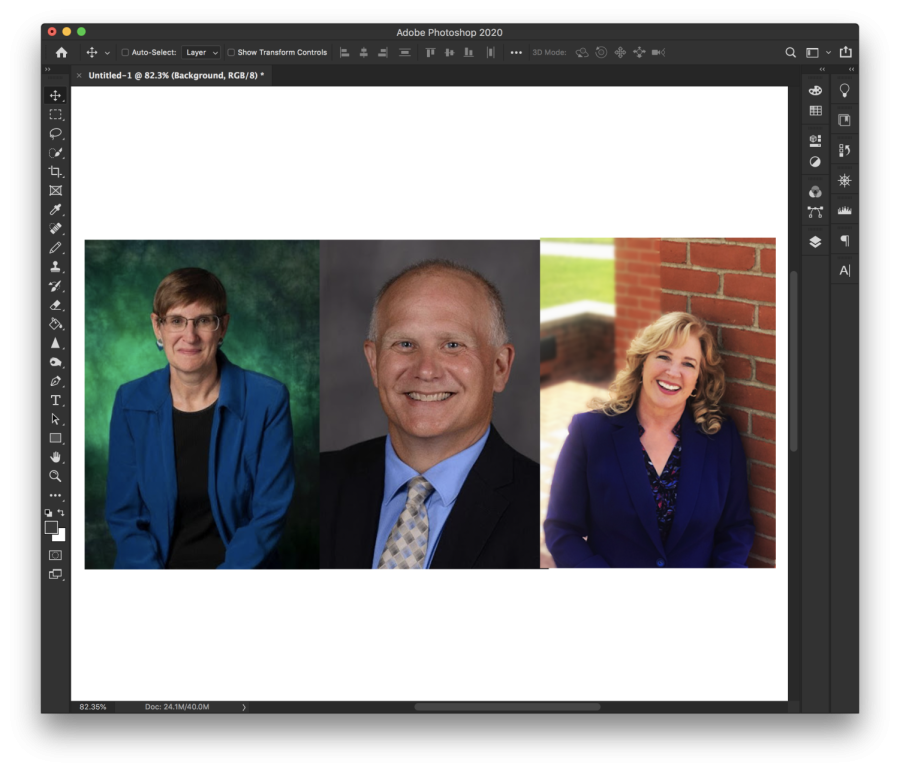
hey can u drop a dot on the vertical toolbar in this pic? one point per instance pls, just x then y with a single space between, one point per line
55 249
844 177
828 208
830 192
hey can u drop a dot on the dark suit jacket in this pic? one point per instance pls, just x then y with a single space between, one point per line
493 524
600 491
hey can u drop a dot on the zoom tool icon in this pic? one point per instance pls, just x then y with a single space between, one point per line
600 52
815 192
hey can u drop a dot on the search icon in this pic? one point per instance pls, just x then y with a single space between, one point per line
54 475
789 51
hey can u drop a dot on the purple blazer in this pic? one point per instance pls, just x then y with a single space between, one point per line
602 513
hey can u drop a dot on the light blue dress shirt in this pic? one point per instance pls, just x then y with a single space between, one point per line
447 478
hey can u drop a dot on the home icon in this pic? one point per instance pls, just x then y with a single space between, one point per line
61 53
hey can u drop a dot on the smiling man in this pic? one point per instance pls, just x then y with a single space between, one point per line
442 490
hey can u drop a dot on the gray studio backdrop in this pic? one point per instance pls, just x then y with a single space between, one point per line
352 272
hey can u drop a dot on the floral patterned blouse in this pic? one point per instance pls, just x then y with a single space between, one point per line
665 485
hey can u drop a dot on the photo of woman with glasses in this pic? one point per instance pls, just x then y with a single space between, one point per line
201 470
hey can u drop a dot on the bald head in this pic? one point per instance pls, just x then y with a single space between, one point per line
498 333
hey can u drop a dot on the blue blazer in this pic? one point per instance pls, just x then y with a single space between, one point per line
251 468
601 491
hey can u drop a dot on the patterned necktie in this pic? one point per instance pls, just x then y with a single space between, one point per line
408 541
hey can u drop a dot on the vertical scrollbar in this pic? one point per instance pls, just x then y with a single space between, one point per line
793 361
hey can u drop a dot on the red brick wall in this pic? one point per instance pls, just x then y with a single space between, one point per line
730 283
638 294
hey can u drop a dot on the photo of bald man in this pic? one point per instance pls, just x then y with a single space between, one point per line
442 347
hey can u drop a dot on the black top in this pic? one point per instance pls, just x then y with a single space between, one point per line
196 542
665 485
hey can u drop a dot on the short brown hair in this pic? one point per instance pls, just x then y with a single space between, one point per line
190 285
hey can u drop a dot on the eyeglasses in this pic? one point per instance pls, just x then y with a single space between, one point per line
180 323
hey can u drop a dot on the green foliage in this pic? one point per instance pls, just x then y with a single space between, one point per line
582 241
273 300
567 279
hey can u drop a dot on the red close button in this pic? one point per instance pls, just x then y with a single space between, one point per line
51 31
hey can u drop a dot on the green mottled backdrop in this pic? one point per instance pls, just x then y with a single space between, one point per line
273 299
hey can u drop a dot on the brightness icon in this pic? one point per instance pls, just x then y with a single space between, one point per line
844 180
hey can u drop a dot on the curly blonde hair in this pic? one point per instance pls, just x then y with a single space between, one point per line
668 329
